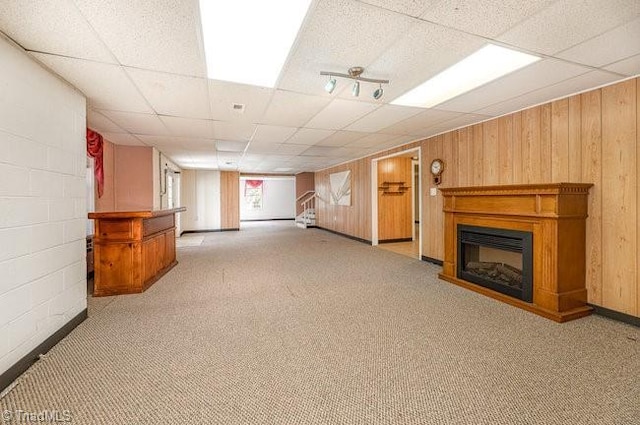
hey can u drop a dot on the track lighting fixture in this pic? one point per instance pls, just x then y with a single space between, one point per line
331 85
377 93
354 73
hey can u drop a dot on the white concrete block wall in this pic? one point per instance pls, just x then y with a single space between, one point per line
42 204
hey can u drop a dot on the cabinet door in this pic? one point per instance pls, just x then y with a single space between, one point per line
170 247
115 271
160 251
150 261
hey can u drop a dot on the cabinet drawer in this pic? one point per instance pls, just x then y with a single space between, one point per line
115 229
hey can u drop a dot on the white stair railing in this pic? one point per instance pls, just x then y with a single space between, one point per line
308 216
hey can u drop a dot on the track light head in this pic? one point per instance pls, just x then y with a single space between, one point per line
355 90
331 85
377 93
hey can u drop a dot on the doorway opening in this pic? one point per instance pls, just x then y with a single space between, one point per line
396 203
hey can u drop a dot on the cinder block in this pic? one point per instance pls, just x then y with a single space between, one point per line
27 153
23 212
61 209
80 208
46 236
45 184
21 330
74 186
75 273
8 271
4 340
14 304
14 242
46 288
75 230
5 152
60 161
14 181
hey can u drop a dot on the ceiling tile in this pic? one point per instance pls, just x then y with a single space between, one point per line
122 139
111 90
341 138
371 140
329 41
562 89
289 149
272 134
173 142
171 94
340 113
138 123
406 7
383 117
98 122
226 146
630 66
262 148
425 50
309 136
55 27
487 18
540 74
293 109
187 127
607 48
417 123
223 95
233 131
148 34
462 121
569 22
324 151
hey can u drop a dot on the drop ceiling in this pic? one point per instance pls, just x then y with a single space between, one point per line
141 65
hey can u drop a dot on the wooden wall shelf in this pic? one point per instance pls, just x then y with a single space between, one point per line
554 213
132 249
393 188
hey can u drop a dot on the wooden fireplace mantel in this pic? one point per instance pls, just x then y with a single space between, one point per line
554 213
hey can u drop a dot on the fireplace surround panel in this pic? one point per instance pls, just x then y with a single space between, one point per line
553 214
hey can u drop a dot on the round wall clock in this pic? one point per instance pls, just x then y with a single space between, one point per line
437 167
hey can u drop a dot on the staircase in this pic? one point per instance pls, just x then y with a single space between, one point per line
307 218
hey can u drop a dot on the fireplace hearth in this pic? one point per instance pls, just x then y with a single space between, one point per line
498 259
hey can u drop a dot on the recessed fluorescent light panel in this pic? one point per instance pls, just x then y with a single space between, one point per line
487 64
248 41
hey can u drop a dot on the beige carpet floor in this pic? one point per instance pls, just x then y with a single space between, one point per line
280 325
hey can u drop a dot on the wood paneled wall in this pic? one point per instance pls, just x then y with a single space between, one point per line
354 220
395 218
229 200
592 137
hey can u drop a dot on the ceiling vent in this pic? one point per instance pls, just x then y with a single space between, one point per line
237 108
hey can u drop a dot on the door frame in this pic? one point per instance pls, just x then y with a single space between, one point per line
374 193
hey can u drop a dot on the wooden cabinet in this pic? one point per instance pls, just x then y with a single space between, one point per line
132 250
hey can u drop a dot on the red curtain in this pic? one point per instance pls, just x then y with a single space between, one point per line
94 150
253 183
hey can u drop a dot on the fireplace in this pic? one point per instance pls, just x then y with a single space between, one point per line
521 244
498 259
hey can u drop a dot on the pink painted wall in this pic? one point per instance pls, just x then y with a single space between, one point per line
128 178
133 178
